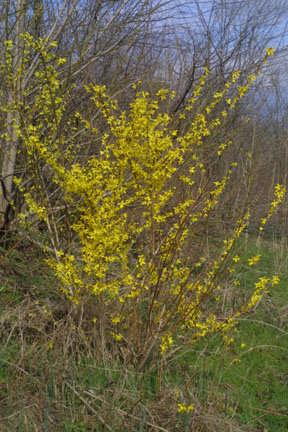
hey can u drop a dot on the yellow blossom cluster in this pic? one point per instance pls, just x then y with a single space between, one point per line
279 196
183 408
134 205
166 343
254 260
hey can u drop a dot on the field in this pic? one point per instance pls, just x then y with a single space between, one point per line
52 380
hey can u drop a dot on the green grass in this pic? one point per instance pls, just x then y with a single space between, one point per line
249 380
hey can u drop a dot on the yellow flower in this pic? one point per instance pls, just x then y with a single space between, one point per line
166 343
236 258
116 319
62 61
9 43
182 408
270 51
117 336
275 280
53 44
50 345
235 76
254 260
162 94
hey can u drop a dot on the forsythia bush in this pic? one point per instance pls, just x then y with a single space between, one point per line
134 206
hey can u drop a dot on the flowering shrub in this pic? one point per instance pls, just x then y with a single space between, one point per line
134 206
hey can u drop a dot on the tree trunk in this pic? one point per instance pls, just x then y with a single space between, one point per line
9 148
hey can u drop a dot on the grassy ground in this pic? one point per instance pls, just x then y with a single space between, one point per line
50 380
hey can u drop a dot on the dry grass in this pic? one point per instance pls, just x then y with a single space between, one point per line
52 381
54 377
